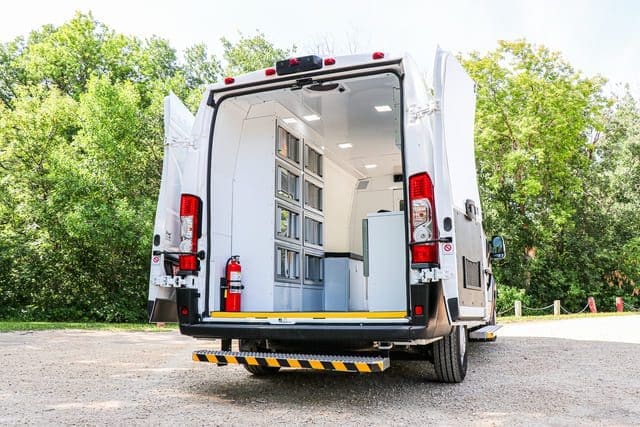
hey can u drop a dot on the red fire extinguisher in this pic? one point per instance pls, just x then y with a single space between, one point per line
233 274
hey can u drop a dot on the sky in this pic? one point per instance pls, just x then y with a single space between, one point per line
596 37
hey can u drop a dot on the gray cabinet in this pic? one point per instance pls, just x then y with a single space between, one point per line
344 284
386 256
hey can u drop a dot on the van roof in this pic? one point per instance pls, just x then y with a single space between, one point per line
337 63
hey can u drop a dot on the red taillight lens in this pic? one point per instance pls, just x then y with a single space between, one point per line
418 310
188 262
329 61
377 55
421 215
184 310
269 71
424 254
229 80
190 215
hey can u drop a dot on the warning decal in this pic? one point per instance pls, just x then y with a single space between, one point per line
447 248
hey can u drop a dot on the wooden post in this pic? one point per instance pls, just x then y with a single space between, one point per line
592 305
517 306
619 304
556 307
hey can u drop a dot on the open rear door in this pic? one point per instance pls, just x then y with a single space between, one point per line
457 197
178 122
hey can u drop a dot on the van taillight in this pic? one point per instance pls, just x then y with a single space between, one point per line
422 219
190 230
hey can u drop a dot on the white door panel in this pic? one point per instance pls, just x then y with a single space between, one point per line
178 122
454 162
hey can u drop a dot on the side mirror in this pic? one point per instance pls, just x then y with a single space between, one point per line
497 248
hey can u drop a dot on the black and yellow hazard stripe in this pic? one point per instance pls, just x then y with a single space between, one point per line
327 363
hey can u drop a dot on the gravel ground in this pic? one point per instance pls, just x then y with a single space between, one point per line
552 372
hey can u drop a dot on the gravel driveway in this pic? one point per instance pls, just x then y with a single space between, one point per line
552 372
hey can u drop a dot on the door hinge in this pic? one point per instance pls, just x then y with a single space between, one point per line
417 112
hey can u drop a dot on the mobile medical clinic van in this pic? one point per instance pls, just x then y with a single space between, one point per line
325 214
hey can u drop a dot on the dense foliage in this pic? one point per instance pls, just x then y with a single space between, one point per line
80 159
558 172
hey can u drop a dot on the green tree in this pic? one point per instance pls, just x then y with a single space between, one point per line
533 121
608 224
80 160
251 53
200 67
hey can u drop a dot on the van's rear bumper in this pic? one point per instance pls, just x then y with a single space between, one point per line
192 324
306 332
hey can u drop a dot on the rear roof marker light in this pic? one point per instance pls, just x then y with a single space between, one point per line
377 55
229 80
294 61
329 61
270 72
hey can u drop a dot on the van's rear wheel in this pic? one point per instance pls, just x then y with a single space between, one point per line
450 356
258 347
261 371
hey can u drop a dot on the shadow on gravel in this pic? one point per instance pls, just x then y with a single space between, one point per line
326 388
534 379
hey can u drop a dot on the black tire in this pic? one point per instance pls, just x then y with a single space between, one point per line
450 356
261 371
259 347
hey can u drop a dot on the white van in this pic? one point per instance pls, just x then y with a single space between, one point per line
325 213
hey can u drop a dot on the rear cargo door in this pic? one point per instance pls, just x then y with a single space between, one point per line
457 197
178 122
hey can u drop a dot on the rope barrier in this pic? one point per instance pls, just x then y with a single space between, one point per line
632 308
537 309
506 311
577 312
562 309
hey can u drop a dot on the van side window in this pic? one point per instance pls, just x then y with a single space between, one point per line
312 160
312 231
299 219
313 196
288 146
287 264
287 222
313 269
288 184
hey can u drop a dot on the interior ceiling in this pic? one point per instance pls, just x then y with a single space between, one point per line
347 115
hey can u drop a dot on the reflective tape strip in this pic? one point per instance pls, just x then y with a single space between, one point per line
316 364
328 363
362 367
339 366
272 362
293 363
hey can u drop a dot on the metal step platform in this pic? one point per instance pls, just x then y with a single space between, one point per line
284 360
486 333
